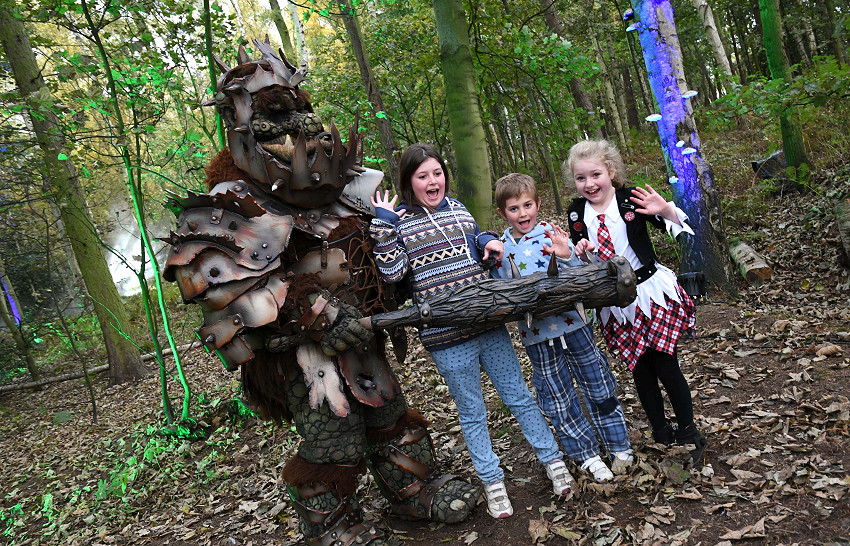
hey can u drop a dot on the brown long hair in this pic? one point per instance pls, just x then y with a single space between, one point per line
414 156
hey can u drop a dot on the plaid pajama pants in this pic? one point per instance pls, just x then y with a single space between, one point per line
555 370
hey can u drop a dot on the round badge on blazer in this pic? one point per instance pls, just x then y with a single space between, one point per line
629 216
573 216
578 226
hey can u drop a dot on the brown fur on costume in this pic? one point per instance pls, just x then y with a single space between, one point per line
341 479
411 419
264 382
223 169
277 97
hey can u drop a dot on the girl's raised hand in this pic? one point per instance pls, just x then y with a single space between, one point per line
386 203
651 202
494 249
560 242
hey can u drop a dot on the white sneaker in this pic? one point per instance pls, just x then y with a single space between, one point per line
498 503
601 473
562 480
623 461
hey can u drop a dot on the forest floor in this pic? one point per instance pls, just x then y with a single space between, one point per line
769 370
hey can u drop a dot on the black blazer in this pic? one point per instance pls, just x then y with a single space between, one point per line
635 225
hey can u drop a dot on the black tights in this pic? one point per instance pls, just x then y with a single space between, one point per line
651 367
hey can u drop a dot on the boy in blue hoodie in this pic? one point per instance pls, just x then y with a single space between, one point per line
561 347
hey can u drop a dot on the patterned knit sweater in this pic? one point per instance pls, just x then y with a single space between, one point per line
436 250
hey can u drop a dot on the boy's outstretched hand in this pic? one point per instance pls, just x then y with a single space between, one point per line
653 203
583 250
386 203
560 242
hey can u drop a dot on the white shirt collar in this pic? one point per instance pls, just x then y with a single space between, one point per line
612 213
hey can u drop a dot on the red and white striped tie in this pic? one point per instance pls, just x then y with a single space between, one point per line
606 245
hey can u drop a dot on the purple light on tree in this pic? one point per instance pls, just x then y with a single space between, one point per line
12 305
692 181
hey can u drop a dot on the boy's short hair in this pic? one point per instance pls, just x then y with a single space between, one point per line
514 185
601 151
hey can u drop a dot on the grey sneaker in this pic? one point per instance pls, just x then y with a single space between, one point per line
498 503
562 480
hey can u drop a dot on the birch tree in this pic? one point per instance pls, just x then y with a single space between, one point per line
692 180
717 49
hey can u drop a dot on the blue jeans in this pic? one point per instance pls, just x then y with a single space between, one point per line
555 369
461 366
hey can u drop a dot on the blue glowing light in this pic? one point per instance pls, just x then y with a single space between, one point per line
653 117
690 94
680 143
628 14
674 180
689 151
633 26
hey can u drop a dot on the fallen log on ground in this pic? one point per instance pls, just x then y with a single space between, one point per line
77 375
750 263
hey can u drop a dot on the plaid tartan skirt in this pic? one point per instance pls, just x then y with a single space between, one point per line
660 330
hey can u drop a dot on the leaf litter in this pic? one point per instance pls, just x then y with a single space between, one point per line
768 371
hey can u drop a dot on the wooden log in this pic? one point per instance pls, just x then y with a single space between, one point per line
842 218
96 369
750 264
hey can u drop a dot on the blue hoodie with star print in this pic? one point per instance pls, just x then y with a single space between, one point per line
529 257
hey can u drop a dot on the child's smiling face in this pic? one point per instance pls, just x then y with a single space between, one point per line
521 213
429 183
593 181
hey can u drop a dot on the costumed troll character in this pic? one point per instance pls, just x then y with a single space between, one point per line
278 256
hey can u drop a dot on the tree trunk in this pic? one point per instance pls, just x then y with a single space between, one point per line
693 184
717 49
613 112
792 136
373 92
834 33
470 147
614 74
283 31
300 41
123 357
580 96
15 327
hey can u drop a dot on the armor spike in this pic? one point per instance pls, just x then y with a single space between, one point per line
581 312
528 318
515 274
221 64
242 56
552 270
277 184
193 226
276 64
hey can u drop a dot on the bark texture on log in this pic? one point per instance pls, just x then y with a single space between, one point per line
750 264
499 301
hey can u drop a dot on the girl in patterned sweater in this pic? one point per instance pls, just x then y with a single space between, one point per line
612 219
433 242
